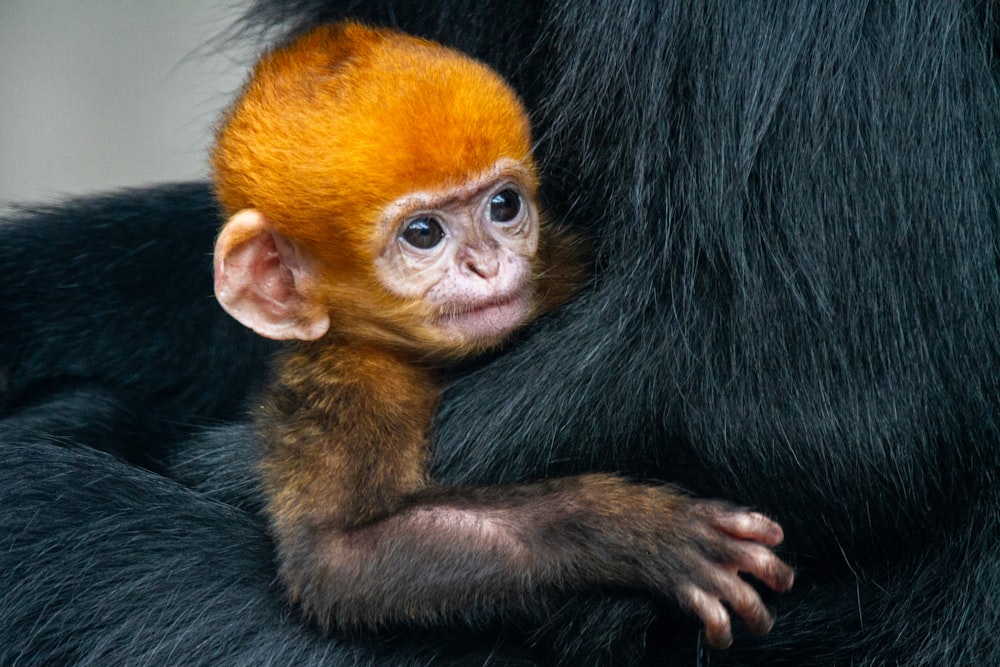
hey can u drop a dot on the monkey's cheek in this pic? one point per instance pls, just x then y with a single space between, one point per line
487 325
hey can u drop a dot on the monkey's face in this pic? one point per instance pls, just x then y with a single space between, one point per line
443 273
462 257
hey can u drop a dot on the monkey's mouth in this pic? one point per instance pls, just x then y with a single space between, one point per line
485 320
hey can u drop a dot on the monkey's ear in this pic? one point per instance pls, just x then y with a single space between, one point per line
263 280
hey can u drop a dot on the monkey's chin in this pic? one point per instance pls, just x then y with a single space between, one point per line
485 325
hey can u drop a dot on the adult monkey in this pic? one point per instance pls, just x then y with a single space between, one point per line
796 218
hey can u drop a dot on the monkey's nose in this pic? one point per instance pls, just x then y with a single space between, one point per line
484 267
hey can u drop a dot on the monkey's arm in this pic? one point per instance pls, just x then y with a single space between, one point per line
478 553
365 541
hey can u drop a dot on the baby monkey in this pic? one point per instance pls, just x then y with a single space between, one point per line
381 194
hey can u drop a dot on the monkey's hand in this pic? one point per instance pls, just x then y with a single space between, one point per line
701 569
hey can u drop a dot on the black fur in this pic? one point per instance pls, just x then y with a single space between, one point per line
797 307
114 294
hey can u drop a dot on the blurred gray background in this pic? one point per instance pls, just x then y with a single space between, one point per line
97 94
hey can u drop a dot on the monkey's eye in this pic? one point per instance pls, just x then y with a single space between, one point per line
423 233
505 205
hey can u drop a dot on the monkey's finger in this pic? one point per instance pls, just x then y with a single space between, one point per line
749 526
764 565
746 603
718 628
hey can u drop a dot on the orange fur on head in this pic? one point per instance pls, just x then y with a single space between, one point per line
346 119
